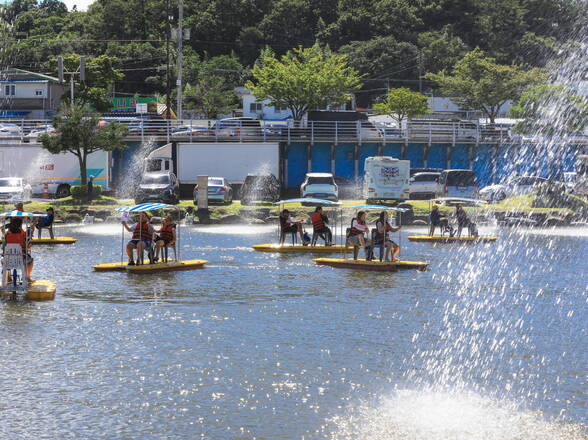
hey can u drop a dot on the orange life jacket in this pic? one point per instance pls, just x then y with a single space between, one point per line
318 224
141 232
355 231
16 238
166 233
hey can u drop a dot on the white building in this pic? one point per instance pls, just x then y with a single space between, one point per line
264 110
29 95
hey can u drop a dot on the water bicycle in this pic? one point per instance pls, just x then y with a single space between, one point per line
166 265
312 246
454 236
370 263
46 240
14 281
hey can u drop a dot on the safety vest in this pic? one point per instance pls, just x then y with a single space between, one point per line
355 231
387 228
16 238
318 224
284 222
142 232
166 232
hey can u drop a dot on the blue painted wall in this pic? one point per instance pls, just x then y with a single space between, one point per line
459 157
297 163
437 156
482 165
393 150
415 153
344 160
366 150
321 158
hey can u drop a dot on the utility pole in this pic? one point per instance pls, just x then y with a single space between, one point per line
180 36
420 72
61 72
167 37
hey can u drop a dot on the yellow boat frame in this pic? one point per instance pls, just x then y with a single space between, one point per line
374 265
447 239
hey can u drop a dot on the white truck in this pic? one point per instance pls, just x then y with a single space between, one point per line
53 174
233 161
386 179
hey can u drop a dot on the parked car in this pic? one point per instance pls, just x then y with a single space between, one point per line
219 190
513 187
260 188
233 127
386 179
187 130
320 186
424 186
457 183
11 188
10 130
158 187
34 134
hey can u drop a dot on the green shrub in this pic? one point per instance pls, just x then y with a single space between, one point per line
80 191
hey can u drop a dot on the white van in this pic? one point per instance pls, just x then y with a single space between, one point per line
386 179
458 183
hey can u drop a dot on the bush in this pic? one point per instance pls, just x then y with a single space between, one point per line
80 191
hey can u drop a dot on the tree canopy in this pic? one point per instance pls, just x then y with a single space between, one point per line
304 79
479 82
79 133
403 103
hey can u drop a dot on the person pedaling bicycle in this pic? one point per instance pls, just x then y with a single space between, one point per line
438 219
463 221
319 225
16 235
166 236
142 238
356 235
383 229
288 226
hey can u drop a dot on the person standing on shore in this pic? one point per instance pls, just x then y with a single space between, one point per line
90 190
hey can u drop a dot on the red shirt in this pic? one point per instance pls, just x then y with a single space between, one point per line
18 238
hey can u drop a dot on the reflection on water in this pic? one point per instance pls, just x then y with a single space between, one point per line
259 345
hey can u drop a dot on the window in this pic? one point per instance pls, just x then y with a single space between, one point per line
255 107
10 90
38 92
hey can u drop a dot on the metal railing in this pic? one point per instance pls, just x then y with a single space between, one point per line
249 130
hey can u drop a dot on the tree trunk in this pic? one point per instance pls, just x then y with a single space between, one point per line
82 159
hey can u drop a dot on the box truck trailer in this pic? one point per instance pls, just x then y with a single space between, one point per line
50 173
233 161
386 179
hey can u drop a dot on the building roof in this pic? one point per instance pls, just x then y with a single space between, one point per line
37 76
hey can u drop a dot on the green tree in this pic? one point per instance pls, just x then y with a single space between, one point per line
535 107
80 134
304 79
210 97
403 103
479 83
100 75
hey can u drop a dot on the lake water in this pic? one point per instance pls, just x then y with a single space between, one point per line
489 343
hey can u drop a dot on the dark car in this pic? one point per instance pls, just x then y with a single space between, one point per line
260 188
158 187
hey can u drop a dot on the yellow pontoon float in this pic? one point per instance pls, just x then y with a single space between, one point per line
450 238
165 266
371 264
14 283
312 247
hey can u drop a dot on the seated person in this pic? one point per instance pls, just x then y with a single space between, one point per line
142 237
383 230
319 225
46 222
438 219
462 219
15 235
166 236
356 237
289 225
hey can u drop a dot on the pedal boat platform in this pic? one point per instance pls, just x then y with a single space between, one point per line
170 266
56 240
375 265
448 239
38 290
285 248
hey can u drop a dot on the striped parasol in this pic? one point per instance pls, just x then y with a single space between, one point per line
17 213
143 207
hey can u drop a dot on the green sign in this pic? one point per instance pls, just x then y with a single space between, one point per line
130 104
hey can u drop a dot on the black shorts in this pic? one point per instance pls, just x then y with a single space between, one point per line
291 228
165 241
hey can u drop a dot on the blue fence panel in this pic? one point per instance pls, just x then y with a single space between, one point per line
321 158
505 165
482 165
297 164
459 157
415 153
393 150
344 160
366 150
437 156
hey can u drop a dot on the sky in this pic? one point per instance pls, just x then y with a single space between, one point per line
81 4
